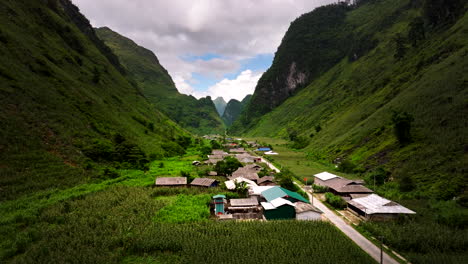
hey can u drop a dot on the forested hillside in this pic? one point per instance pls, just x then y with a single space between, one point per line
69 113
197 116
386 88
234 109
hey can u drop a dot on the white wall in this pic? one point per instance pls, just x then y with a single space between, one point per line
310 215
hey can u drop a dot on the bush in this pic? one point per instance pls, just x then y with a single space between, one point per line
402 126
336 201
227 166
319 189
346 166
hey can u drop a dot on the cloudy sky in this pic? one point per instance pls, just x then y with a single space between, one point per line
209 47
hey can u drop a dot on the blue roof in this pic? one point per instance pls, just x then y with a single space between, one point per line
219 196
280 192
264 149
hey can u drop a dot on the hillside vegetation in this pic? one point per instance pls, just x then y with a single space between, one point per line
197 116
69 114
393 100
233 110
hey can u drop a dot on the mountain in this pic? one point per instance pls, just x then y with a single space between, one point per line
142 65
380 85
220 105
234 109
68 110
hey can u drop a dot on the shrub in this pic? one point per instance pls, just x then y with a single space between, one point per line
346 166
319 189
335 201
402 126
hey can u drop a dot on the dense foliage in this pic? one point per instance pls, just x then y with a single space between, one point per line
335 200
64 98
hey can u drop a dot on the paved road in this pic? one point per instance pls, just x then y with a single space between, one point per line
349 231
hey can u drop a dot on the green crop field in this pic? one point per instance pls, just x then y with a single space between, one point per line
128 220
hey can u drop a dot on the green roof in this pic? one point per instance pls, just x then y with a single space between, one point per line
280 192
219 196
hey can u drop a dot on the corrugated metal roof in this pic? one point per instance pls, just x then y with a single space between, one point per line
219 196
202 182
280 192
374 204
244 202
171 181
276 203
325 176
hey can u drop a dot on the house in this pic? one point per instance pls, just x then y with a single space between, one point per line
346 188
374 207
171 181
212 173
266 181
305 211
245 158
248 204
204 182
253 167
218 152
322 177
246 173
237 150
231 184
280 192
217 156
341 186
279 208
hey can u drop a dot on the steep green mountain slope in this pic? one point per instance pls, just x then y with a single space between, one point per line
197 116
220 105
66 106
234 109
407 75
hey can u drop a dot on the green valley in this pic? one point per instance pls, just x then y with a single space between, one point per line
356 133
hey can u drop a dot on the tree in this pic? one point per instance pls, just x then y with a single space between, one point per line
241 187
227 166
402 126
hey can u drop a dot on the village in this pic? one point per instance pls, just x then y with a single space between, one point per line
263 197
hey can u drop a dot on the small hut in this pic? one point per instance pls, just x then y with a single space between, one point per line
219 201
171 181
204 182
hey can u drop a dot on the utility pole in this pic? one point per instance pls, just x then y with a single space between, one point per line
381 249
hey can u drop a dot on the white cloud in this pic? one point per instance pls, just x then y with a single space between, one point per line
233 89
233 29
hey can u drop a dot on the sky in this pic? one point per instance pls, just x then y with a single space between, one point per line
210 47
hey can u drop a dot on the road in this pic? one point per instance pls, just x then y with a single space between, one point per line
348 230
